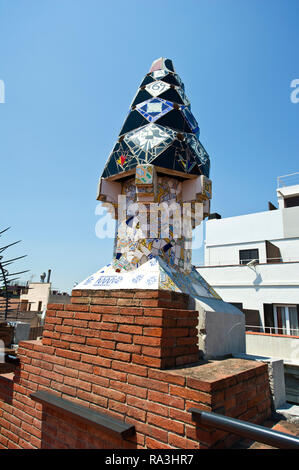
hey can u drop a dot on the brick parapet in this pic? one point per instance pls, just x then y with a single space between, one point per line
110 358
151 328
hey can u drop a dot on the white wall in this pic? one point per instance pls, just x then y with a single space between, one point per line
38 291
290 218
229 254
273 346
267 283
249 228
225 237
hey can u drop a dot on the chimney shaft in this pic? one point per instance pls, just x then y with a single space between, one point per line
49 275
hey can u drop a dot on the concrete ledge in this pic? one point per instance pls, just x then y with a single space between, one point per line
108 422
289 412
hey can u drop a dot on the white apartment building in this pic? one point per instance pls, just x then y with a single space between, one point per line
252 261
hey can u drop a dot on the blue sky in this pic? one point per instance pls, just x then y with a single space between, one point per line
71 69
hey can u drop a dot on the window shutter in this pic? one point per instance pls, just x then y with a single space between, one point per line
268 315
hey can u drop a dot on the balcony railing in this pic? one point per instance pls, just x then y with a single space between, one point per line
288 180
273 330
232 263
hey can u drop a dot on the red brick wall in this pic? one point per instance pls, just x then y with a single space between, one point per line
106 352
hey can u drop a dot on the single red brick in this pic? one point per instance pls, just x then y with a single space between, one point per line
96 360
167 376
55 307
150 302
148 430
117 406
122 294
40 380
145 404
154 312
60 344
66 371
92 378
118 355
101 343
181 442
109 392
83 366
63 329
147 340
52 320
151 384
76 323
178 415
77 383
169 400
147 294
52 333
154 444
103 301
115 336
149 331
83 348
79 300
140 392
136 413
121 319
129 303
76 293
189 394
83 332
68 354
166 423
130 348
132 329
146 360
68 390
154 352
73 338
150 321
88 316
130 368
65 314
110 373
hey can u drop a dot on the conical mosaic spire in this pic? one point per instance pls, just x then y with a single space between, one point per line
155 184
160 129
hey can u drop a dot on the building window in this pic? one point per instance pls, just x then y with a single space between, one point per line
39 306
248 255
286 320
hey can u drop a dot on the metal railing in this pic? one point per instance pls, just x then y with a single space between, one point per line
273 330
288 180
244 429
232 263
